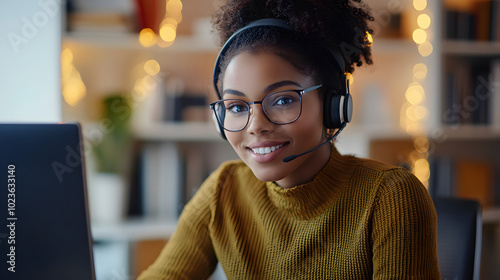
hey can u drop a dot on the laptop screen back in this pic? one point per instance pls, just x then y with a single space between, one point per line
44 223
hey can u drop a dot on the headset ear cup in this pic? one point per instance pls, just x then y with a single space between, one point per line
337 110
348 108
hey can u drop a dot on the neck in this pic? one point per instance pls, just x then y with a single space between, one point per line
307 171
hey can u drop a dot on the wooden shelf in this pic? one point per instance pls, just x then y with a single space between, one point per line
491 216
470 48
471 132
383 46
376 132
181 132
124 40
134 230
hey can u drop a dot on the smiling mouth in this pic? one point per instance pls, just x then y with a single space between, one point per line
266 150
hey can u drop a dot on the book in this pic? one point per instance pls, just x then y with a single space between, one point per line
494 102
100 22
458 88
162 185
478 101
442 180
487 15
474 180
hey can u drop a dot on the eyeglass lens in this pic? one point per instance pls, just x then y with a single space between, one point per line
280 108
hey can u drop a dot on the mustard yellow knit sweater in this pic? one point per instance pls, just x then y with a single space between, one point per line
359 219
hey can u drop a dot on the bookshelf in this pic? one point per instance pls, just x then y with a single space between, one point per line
464 128
469 95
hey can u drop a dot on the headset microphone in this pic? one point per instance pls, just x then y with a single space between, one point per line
292 157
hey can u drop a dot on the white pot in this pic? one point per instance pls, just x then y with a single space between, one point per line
106 198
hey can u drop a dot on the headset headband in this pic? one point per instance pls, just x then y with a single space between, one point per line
258 23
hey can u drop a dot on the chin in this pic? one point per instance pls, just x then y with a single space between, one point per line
267 175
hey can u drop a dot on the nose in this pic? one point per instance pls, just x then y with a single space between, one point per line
258 122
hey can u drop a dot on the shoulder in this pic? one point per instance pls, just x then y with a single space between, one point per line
228 177
230 172
210 190
387 181
382 173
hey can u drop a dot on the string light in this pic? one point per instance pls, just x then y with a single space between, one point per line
167 30
419 36
424 21
369 38
147 37
413 112
152 67
419 71
73 88
425 49
419 5
168 26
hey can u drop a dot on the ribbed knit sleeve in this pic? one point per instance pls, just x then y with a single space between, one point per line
403 229
189 253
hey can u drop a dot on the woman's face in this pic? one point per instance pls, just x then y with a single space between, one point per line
252 76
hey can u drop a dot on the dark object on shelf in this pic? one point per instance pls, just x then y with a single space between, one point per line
183 107
459 238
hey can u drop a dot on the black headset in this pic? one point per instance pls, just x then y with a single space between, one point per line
338 106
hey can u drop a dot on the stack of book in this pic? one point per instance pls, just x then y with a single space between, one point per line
481 23
472 92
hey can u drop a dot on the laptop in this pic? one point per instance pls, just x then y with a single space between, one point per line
44 217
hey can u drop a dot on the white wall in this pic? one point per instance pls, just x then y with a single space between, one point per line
30 47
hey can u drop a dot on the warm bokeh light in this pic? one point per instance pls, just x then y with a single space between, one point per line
419 36
416 113
420 71
170 20
413 113
369 38
420 112
422 170
147 37
424 21
425 49
174 7
414 96
152 67
74 91
72 86
419 5
421 145
168 32
67 56
350 78
414 128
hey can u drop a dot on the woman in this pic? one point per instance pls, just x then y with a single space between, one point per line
293 207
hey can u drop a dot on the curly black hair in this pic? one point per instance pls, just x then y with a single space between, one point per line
338 24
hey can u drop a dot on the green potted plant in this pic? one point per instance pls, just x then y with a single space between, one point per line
111 157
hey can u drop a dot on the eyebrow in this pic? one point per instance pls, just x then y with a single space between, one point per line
268 89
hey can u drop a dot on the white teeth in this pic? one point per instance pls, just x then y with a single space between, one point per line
266 150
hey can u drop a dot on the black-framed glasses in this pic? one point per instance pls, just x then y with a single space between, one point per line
282 107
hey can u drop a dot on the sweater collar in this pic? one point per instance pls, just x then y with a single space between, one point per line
313 198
